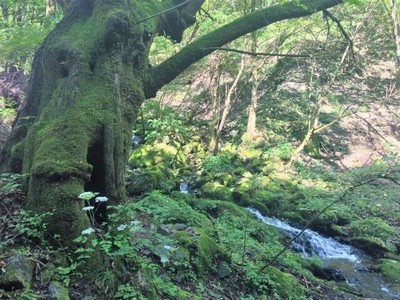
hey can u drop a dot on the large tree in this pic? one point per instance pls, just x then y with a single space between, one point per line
89 78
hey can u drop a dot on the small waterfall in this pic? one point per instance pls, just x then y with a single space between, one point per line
136 140
347 262
184 187
310 242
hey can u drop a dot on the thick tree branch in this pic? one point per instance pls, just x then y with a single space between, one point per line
172 67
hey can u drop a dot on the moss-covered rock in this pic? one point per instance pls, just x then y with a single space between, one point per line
146 180
285 284
57 291
206 250
223 269
18 273
217 191
167 210
390 269
371 246
374 233
156 154
47 273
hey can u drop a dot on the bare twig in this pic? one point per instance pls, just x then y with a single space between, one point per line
164 11
342 30
373 128
256 53
207 14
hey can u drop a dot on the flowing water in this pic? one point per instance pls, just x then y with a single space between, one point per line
352 266
184 187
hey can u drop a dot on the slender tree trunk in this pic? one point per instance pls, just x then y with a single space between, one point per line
227 105
311 129
252 119
214 99
395 29
50 7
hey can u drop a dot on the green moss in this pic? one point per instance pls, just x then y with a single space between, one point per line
66 217
239 171
390 269
206 251
252 153
374 229
217 191
18 273
155 154
150 179
166 210
285 285
183 238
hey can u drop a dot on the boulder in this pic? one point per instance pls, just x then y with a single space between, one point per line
223 269
57 291
18 273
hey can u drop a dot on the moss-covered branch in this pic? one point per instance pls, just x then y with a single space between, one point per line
172 67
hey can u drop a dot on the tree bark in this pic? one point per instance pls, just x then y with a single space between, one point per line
89 78
395 31
227 107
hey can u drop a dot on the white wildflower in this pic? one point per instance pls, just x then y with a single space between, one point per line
87 195
135 223
88 231
87 208
101 199
121 227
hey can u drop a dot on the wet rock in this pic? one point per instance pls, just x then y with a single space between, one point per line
141 182
394 287
373 248
328 273
47 273
164 230
181 256
164 252
18 273
57 291
223 269
179 227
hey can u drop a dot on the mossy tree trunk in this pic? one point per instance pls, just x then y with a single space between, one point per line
88 80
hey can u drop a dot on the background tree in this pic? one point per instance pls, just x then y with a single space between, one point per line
395 29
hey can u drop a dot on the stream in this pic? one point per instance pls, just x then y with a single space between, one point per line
346 264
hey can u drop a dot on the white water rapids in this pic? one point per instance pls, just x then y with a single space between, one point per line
310 242
350 263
